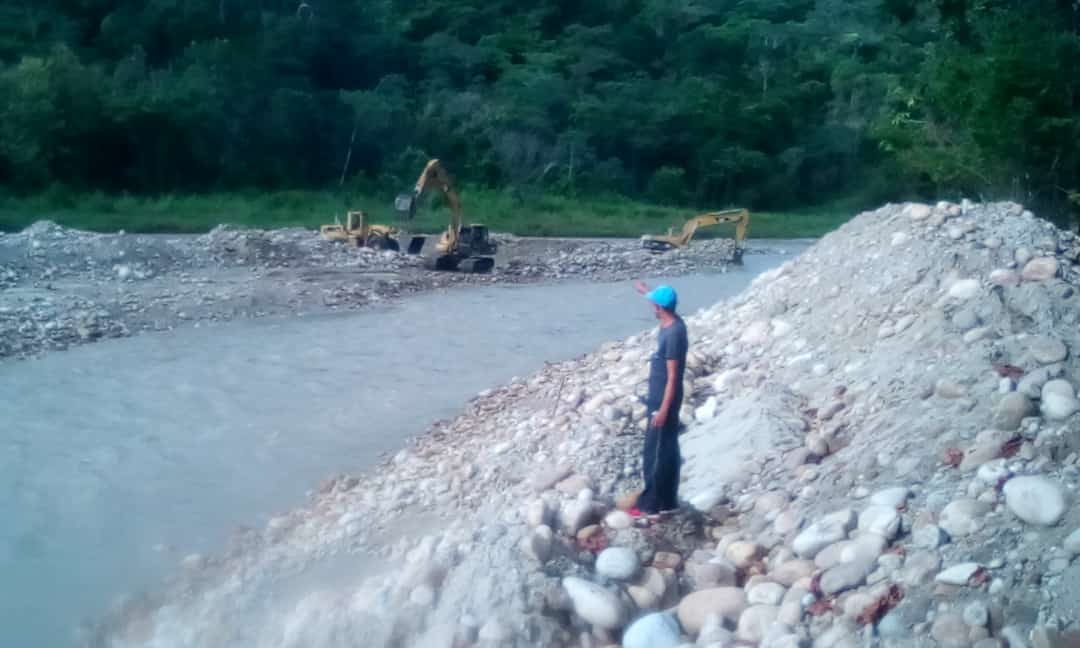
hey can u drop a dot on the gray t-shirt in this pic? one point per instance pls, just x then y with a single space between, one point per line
671 345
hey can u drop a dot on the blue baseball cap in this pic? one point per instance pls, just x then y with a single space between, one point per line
664 297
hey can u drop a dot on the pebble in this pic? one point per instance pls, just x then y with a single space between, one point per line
1011 410
1040 269
1003 277
754 622
976 614
618 563
949 389
845 576
958 575
595 604
930 536
891 497
618 520
829 529
963 517
950 631
1058 401
728 602
1072 543
1035 499
1047 350
882 520
964 289
656 630
742 554
765 594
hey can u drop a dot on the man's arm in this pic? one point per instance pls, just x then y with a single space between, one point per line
641 287
660 418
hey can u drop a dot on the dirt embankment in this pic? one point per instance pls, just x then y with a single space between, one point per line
883 448
60 287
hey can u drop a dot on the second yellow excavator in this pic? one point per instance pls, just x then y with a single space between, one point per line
671 240
467 248
359 232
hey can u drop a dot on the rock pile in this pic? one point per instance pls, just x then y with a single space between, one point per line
622 260
916 484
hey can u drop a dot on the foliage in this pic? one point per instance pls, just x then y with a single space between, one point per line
704 103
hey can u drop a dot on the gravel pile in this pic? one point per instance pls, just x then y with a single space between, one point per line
882 448
622 260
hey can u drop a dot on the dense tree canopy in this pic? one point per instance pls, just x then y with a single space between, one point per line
769 103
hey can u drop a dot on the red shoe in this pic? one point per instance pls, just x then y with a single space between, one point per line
635 512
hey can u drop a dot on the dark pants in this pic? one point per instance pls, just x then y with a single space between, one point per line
661 462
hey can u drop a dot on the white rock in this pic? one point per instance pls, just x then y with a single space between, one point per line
893 498
754 622
707 499
899 238
618 520
929 536
123 272
1058 403
976 614
619 563
707 411
1035 500
1040 269
493 631
845 576
1047 350
918 211
882 520
595 604
1072 543
958 574
963 517
829 529
964 289
765 594
991 472
656 630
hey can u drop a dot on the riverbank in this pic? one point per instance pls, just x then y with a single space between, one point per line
542 214
61 287
910 385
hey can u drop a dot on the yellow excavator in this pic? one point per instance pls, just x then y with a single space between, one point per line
671 240
359 232
466 248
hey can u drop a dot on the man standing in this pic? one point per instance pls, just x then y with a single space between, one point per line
661 459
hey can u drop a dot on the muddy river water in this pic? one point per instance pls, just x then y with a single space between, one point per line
118 458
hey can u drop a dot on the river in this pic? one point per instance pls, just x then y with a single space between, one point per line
120 457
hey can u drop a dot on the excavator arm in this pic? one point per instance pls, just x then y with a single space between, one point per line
435 175
741 218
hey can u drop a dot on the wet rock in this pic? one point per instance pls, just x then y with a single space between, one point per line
727 602
595 604
618 563
657 630
1035 500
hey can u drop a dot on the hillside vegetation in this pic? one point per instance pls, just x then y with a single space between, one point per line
771 104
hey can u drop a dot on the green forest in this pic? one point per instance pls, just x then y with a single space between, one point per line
769 104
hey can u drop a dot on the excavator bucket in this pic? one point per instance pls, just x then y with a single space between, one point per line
416 244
